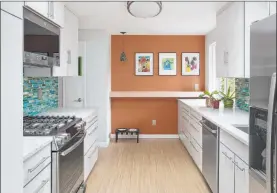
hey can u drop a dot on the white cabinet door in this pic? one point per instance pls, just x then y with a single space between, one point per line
41 7
68 47
14 8
58 13
241 176
226 170
11 102
255 186
272 7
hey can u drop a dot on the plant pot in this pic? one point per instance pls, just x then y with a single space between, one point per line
208 102
228 103
216 104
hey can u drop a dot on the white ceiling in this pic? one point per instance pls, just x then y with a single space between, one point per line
175 18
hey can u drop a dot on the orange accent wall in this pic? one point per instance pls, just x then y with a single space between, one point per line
139 112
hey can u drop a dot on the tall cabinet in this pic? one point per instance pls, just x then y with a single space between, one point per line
11 97
233 36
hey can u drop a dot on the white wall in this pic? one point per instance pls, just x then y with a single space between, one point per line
98 81
209 39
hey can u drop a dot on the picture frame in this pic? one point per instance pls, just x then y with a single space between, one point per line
144 64
167 64
191 64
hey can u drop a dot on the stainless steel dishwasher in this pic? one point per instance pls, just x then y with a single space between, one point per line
210 153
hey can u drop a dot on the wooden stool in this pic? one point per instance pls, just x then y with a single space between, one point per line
126 131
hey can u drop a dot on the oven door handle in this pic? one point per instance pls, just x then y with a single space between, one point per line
206 127
67 151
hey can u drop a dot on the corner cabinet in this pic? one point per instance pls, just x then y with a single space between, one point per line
233 37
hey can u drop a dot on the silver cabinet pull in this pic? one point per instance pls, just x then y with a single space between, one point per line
224 153
39 163
185 135
237 165
43 183
193 147
185 118
194 127
92 151
78 100
93 131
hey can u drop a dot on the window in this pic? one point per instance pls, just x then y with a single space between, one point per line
225 83
212 67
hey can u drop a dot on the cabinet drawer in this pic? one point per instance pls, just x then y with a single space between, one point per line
185 108
240 149
196 131
196 153
90 160
91 121
91 137
195 115
41 183
35 164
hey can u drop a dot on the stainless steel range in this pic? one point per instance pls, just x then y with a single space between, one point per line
67 148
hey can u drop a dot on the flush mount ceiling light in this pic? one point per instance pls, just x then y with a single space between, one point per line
144 9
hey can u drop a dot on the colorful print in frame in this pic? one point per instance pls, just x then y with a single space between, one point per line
144 64
190 64
167 64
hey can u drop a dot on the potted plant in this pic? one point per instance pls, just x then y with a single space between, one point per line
228 98
209 97
215 102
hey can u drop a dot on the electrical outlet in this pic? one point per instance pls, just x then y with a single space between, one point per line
154 122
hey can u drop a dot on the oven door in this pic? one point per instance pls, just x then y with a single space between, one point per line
68 166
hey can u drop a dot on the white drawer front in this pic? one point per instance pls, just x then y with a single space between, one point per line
196 153
240 149
185 108
92 121
35 164
90 160
41 183
196 131
195 115
91 137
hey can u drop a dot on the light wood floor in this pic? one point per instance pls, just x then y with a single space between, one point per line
152 166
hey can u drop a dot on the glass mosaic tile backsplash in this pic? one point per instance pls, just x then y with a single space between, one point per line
39 94
242 93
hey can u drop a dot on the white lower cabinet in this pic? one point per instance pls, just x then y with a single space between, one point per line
226 170
241 176
90 147
41 183
233 172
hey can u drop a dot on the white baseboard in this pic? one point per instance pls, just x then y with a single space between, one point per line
104 144
149 136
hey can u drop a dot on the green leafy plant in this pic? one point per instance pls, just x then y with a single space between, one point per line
228 98
228 95
209 94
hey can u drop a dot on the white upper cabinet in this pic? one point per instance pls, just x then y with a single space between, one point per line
41 7
68 46
230 45
14 8
54 11
272 7
233 37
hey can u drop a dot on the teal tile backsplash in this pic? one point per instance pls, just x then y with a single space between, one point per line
35 102
242 93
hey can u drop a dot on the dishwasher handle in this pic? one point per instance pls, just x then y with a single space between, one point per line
206 127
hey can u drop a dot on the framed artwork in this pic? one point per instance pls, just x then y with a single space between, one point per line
190 64
144 64
167 64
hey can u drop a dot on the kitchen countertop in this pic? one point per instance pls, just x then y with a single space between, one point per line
155 94
32 145
223 118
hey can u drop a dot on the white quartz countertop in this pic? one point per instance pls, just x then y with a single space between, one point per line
154 94
32 145
83 113
223 118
